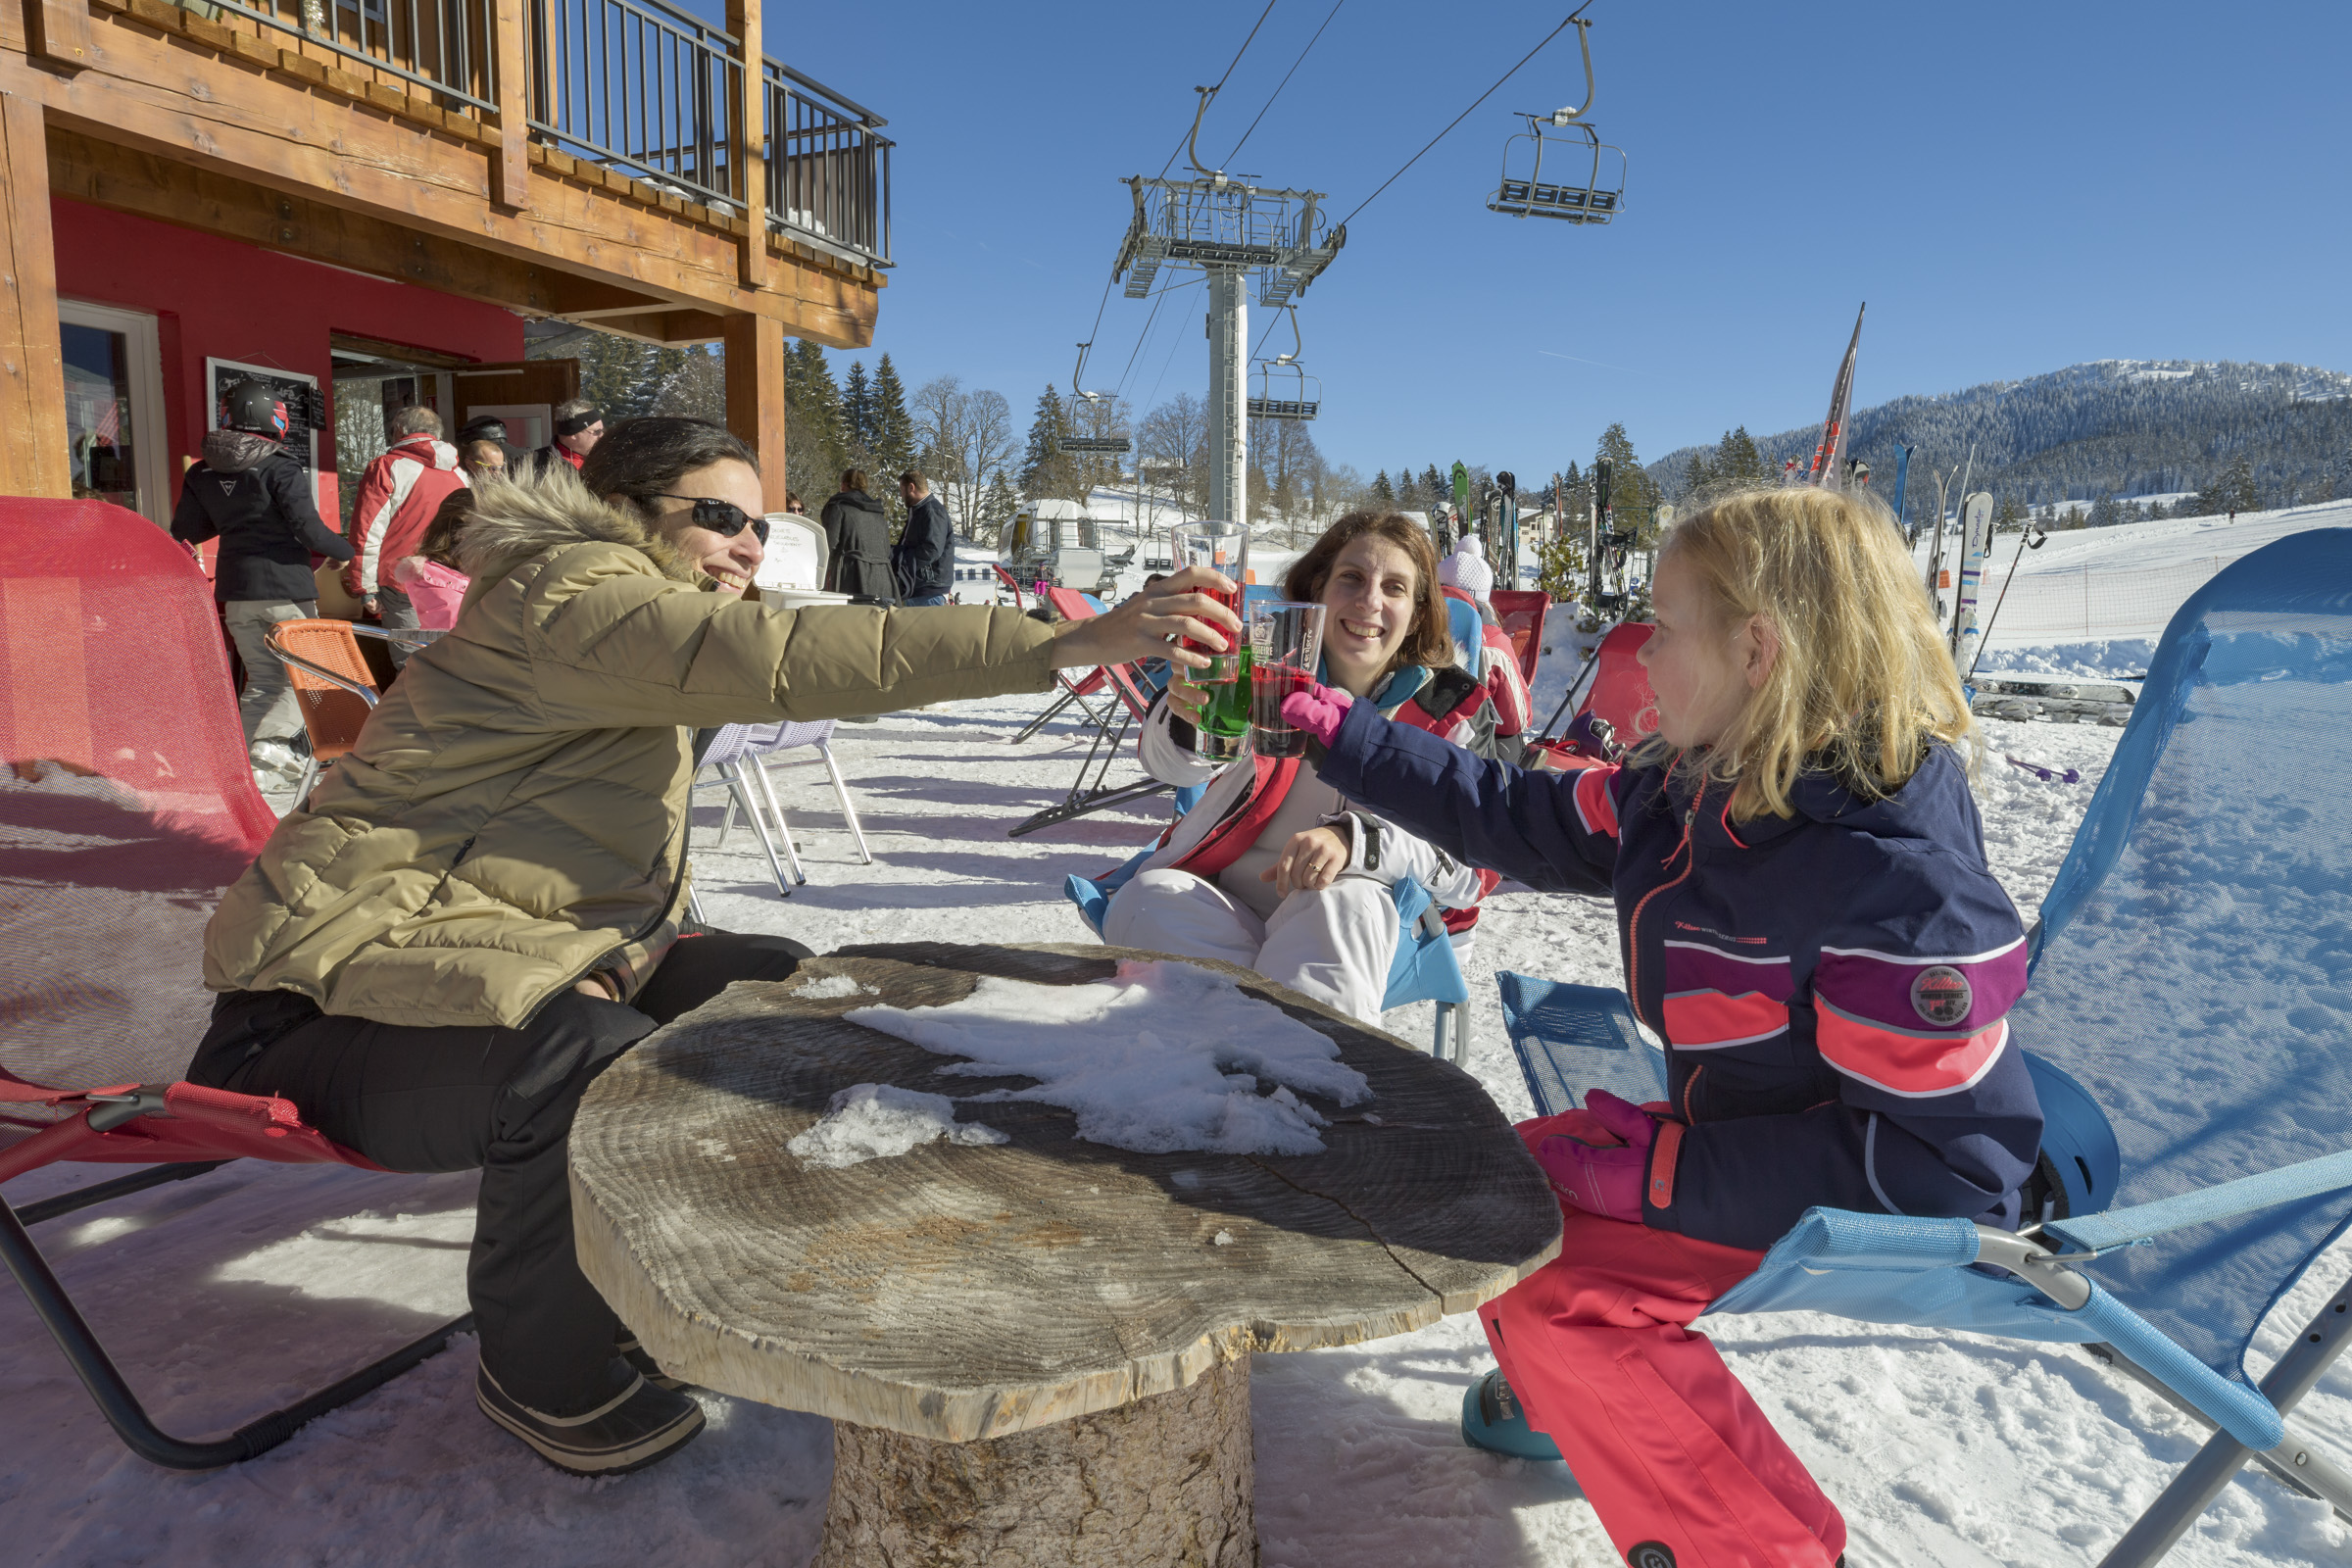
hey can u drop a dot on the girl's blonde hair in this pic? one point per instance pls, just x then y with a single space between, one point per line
1863 683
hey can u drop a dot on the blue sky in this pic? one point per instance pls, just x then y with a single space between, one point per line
2012 188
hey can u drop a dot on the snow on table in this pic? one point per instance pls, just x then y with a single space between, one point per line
227 1296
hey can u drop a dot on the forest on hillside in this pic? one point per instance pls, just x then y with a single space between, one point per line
2113 428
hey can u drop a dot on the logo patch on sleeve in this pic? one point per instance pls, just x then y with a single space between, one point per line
1940 995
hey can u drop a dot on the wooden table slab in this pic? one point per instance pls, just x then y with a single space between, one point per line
964 1296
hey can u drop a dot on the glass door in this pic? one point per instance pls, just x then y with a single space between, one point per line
115 408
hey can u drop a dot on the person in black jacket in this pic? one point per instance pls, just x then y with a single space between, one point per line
857 542
255 498
924 559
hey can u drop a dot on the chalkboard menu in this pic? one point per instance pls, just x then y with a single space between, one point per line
306 404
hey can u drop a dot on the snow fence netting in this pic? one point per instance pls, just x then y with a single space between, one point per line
2194 967
126 804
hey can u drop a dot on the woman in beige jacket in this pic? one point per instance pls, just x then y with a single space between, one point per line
479 908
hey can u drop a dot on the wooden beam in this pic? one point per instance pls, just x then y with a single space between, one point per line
673 329
751 139
151 186
34 458
754 349
510 158
56 33
167 94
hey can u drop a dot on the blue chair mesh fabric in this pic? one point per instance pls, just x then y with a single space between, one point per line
1572 1038
2193 960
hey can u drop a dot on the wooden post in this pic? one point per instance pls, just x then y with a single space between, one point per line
511 160
755 350
33 371
749 152
57 34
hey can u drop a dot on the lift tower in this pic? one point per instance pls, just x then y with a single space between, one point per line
1228 229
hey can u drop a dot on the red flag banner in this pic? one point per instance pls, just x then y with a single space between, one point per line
1829 458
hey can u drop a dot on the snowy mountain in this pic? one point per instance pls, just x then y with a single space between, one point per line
2125 428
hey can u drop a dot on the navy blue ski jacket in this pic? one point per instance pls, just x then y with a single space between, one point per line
1832 986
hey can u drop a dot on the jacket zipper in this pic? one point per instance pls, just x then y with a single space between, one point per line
661 913
1633 942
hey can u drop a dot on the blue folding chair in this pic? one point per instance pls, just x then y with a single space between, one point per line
2189 974
1425 968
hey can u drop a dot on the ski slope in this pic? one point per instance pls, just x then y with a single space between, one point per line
227 1296
2094 601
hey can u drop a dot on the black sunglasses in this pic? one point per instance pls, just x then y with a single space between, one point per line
723 518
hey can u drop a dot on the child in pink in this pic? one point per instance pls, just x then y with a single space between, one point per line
430 577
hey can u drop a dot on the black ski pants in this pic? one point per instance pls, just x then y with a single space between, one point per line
497 1100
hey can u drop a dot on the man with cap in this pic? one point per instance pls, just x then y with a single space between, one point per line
252 495
578 424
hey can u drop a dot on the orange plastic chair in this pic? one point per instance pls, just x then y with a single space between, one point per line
333 680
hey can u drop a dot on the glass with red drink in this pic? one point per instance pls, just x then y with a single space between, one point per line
1285 645
1223 548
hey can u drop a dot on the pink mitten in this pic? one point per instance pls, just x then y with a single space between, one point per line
1317 709
1605 1179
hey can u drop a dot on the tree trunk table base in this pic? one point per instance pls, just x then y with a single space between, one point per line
1166 1482
1035 1351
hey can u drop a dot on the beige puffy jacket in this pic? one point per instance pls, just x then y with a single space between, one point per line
512 818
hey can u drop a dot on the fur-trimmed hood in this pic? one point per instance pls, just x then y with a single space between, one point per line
518 519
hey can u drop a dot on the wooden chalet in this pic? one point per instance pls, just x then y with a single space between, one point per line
367 200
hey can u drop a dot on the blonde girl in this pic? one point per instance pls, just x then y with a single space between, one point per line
1806 919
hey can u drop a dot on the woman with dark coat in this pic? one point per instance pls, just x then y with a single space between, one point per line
857 542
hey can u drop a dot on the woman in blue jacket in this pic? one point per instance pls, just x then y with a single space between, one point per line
1806 919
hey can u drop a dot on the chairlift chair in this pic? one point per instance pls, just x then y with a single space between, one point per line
1115 444
1280 389
1598 197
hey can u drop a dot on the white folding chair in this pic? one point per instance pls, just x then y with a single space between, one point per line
766 740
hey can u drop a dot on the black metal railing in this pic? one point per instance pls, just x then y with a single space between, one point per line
636 85
828 171
445 46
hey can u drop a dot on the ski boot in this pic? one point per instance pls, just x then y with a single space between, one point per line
1494 1420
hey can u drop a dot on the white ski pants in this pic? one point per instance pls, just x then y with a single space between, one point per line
1335 945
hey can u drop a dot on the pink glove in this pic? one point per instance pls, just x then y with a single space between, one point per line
1605 1179
1317 711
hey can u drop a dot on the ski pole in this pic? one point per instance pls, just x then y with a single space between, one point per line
1591 666
2029 538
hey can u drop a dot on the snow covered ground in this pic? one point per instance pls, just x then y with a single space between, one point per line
269 1281
2094 601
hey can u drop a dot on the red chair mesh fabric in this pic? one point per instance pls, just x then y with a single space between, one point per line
126 802
1521 612
1621 691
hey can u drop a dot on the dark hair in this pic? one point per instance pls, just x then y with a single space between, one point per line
793 502
914 476
640 459
852 479
440 542
1431 639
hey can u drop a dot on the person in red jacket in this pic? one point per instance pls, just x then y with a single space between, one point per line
1807 920
398 497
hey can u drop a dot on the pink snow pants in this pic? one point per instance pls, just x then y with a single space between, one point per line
1665 1442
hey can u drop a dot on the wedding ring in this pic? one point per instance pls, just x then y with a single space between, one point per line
1171 637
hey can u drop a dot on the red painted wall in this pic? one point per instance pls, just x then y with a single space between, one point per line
220 297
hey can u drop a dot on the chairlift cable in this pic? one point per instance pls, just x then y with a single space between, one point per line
1464 114
1228 76
1284 82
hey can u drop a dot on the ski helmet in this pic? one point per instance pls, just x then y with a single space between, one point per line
255 407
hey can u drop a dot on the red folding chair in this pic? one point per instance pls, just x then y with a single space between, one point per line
1521 612
1618 710
1012 585
127 805
1127 707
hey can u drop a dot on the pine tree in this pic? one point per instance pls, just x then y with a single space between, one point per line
1698 475
1737 459
813 439
1382 491
996 506
1435 486
891 426
1046 472
858 414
